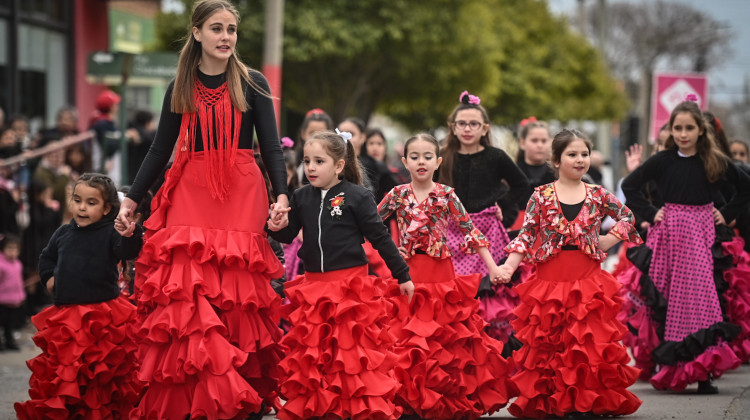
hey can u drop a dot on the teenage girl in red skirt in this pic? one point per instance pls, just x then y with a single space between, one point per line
572 359
207 316
87 368
339 364
448 366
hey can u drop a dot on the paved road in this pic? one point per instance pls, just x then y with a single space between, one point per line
732 402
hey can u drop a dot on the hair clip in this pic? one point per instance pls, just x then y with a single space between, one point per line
527 120
286 142
345 135
314 111
691 97
466 98
718 124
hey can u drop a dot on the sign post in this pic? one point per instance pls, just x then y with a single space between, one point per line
670 89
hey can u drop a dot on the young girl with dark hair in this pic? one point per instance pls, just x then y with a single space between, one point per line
203 279
338 364
448 367
315 120
571 360
684 329
477 172
88 365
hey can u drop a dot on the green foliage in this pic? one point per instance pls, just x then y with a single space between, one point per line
411 59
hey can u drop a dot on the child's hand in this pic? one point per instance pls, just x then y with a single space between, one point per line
407 289
501 274
607 241
276 226
279 212
402 251
499 213
659 215
125 221
51 284
718 217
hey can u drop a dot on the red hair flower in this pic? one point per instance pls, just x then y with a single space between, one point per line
527 120
691 97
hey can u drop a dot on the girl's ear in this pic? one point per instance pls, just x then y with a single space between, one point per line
196 34
403 160
439 161
107 208
340 166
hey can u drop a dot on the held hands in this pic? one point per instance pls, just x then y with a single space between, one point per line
407 289
279 213
125 221
501 274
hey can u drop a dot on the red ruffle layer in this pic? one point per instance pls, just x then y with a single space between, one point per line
88 365
738 295
208 323
338 363
448 367
571 359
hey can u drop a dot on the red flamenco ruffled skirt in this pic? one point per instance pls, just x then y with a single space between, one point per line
338 364
208 318
448 366
88 366
571 359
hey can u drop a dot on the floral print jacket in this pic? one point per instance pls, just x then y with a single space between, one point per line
423 226
545 221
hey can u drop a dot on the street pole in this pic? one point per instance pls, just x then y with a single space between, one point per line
127 66
273 52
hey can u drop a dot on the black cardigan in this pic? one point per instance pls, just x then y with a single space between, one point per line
84 261
333 242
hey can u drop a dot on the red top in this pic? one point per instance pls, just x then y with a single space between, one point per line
423 226
544 219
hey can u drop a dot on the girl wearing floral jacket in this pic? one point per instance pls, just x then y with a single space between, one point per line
448 366
572 360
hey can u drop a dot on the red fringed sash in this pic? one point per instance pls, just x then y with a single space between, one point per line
220 129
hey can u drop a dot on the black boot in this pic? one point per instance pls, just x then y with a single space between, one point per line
707 387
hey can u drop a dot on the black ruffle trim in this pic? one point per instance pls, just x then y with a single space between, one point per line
512 345
671 352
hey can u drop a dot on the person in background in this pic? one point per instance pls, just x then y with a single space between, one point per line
12 294
142 132
740 151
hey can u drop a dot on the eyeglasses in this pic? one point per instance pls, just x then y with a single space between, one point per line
474 125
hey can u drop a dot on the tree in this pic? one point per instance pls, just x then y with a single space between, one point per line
642 37
410 59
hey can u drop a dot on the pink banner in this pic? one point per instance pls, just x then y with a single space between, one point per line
669 89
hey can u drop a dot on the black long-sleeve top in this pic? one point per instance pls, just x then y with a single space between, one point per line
260 116
84 261
682 180
477 179
537 174
334 242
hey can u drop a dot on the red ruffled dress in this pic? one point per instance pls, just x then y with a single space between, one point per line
86 368
207 316
448 366
571 359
